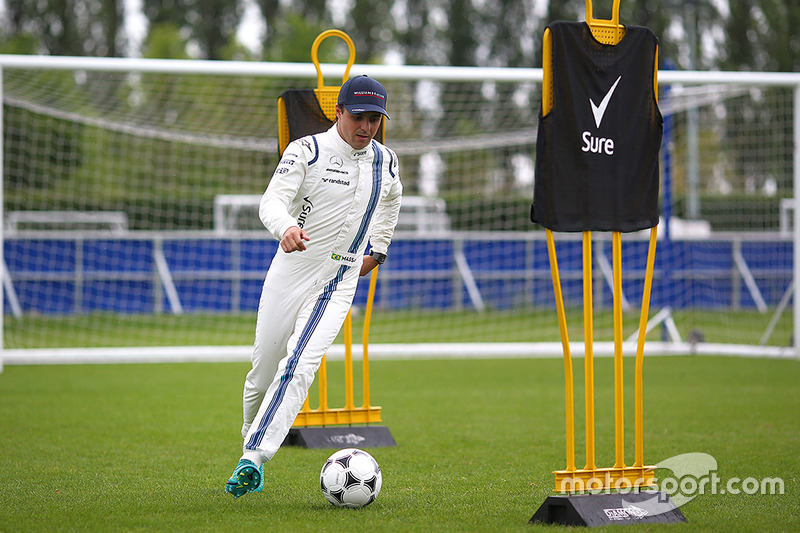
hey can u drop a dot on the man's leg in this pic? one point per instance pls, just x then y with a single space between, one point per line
318 325
313 333
282 297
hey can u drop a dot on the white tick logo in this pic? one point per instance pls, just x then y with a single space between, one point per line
599 110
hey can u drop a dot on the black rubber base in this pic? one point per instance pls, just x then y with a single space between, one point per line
340 437
613 508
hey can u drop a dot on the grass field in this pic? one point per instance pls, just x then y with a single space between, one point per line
149 447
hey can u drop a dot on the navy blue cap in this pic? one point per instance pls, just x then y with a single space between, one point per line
362 94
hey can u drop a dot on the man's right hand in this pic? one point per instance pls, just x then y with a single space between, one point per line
292 240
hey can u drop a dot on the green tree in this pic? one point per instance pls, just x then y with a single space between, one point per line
653 14
414 34
109 21
313 9
211 24
462 20
742 37
214 25
269 11
515 34
762 35
570 10
69 27
20 43
164 41
294 35
370 26
280 42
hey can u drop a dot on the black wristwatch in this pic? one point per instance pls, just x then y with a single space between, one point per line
380 258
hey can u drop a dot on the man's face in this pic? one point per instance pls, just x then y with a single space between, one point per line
359 129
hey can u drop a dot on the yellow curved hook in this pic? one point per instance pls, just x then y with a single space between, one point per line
612 26
614 13
315 58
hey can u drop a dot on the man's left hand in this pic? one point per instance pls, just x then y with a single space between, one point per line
367 265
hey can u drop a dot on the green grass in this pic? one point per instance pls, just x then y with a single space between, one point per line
149 447
106 329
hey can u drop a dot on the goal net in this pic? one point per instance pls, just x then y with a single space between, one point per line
130 226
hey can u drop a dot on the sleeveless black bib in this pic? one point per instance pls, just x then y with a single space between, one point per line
597 150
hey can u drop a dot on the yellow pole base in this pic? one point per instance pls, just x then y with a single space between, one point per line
330 417
614 478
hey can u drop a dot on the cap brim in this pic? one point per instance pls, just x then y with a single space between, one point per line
365 108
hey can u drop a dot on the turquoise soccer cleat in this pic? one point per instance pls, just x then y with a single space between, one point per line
246 478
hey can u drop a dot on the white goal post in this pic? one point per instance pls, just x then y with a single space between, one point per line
154 151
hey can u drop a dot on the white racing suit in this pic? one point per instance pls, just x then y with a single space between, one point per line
342 198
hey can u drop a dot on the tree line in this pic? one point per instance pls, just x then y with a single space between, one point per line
756 35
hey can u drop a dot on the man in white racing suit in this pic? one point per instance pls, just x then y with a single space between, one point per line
331 194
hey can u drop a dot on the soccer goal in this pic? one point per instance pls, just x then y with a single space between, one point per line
119 176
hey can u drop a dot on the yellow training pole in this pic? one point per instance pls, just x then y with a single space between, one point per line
608 32
348 362
373 282
619 415
639 369
639 379
568 379
349 414
588 327
323 384
569 387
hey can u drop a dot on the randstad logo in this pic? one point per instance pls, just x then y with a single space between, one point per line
599 145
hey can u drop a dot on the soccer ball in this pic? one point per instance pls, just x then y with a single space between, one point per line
350 478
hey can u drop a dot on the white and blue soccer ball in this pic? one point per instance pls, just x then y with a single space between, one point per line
350 478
